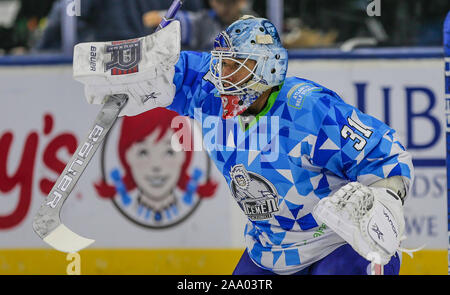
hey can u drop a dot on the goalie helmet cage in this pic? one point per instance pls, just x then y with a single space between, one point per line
446 32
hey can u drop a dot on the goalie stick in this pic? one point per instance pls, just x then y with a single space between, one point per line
47 222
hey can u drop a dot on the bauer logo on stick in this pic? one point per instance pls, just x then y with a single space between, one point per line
125 57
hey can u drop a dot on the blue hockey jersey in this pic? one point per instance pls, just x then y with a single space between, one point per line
303 146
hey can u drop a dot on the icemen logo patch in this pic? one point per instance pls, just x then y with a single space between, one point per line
125 57
256 196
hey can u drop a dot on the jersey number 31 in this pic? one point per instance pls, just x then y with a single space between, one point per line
360 141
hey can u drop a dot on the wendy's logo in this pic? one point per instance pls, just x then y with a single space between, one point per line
150 181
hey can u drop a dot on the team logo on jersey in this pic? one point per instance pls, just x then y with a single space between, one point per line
256 196
125 57
151 182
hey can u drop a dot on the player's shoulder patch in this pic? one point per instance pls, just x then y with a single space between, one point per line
299 92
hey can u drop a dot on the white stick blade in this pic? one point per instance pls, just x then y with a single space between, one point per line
65 240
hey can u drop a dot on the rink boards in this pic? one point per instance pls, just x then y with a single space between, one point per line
206 238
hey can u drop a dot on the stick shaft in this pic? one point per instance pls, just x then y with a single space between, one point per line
47 218
376 269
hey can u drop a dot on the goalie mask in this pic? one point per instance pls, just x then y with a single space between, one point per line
247 39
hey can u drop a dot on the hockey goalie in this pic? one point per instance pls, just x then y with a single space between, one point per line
323 194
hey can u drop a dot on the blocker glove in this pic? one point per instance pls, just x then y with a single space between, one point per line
142 68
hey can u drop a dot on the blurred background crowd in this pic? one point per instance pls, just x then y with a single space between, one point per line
30 26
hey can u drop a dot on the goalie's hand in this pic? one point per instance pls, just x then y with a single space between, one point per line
142 68
370 219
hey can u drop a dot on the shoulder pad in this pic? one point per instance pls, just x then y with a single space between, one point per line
296 95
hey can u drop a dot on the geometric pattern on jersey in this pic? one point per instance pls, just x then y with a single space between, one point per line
307 145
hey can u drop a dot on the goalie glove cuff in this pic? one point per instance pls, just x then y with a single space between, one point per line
384 223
